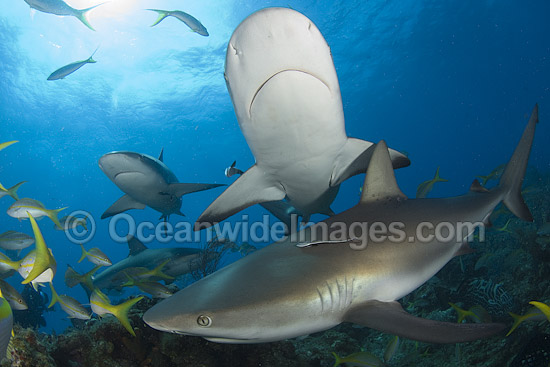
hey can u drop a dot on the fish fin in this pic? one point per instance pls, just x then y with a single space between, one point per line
7 144
55 297
354 159
84 253
72 278
380 180
52 214
513 175
389 317
338 361
162 14
82 15
283 211
12 191
161 155
135 246
121 313
180 189
249 189
121 205
544 308
476 187
43 259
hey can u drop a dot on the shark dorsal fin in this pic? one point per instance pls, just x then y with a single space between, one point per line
476 187
161 155
380 181
135 246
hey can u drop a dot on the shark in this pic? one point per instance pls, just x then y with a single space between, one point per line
329 275
284 88
181 261
147 182
59 7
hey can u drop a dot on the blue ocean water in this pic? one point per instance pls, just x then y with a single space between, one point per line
451 83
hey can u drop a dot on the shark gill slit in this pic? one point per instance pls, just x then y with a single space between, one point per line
274 75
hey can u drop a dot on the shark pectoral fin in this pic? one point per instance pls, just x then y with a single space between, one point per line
249 189
180 189
354 159
389 317
121 205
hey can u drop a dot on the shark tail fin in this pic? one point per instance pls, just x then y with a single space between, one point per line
55 297
82 15
513 175
162 14
121 313
84 253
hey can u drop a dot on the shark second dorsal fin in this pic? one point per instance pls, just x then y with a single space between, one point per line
135 246
380 181
476 187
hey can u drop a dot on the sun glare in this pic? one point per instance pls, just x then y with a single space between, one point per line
114 9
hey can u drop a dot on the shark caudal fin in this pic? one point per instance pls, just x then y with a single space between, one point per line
513 175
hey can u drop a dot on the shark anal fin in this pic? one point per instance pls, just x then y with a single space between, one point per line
249 189
355 157
390 317
180 189
121 205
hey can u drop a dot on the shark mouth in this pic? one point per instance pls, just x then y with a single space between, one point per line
277 75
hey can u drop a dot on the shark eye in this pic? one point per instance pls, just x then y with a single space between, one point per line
204 321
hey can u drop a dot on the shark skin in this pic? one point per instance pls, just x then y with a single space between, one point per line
147 182
182 261
285 92
294 288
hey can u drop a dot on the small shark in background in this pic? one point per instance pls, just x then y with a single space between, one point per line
147 182
63 71
286 96
180 261
59 7
289 289
425 187
188 19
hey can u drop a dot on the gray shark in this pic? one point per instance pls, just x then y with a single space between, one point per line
182 261
147 182
59 7
286 96
294 287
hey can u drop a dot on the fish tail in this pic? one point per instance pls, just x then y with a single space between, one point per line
338 360
12 191
462 314
84 253
55 296
83 16
121 313
518 319
7 144
72 278
40 262
512 178
437 178
52 214
159 273
162 14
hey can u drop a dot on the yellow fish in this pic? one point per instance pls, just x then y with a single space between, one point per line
101 305
425 187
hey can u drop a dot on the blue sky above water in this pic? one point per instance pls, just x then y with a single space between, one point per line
451 83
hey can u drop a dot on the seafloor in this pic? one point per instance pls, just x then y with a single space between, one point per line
514 261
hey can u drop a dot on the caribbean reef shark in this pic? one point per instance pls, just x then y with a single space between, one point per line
182 261
59 7
147 182
286 96
294 287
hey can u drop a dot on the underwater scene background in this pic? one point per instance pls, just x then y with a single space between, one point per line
450 83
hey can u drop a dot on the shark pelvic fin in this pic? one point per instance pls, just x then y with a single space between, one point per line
249 189
135 246
355 157
390 317
180 189
380 183
121 205
512 177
